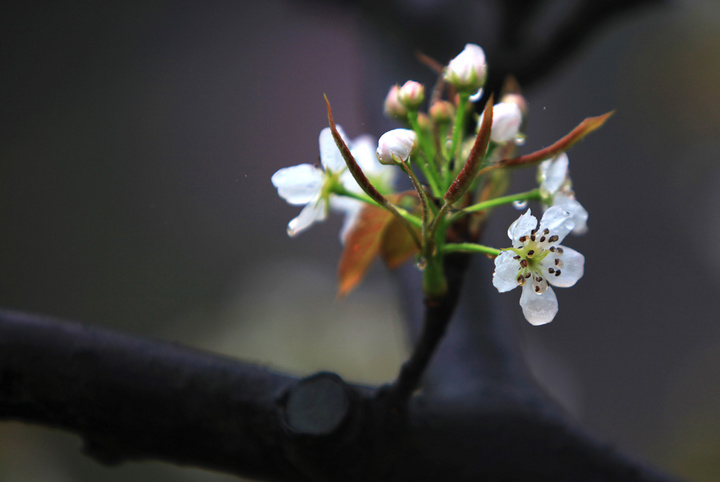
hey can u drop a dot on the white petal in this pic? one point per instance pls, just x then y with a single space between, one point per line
522 227
363 150
538 308
554 173
330 156
351 208
298 184
558 221
571 270
578 212
506 272
313 212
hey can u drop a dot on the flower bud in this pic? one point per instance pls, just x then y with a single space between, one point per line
507 118
398 143
411 94
467 71
393 108
442 111
516 99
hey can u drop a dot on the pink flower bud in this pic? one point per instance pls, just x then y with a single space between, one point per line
467 71
393 108
411 94
507 118
399 143
442 111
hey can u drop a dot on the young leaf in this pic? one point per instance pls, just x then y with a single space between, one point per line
397 245
362 244
578 133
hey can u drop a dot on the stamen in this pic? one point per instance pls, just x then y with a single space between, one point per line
552 249
538 278
532 237
522 239
542 240
527 275
537 289
553 238
560 250
557 273
557 261
546 231
516 257
531 253
521 280
551 270
524 263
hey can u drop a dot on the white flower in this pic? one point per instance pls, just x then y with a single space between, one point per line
467 71
507 118
556 190
311 186
397 142
536 261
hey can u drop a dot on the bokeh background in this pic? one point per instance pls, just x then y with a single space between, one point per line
137 141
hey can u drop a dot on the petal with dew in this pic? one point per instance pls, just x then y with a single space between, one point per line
538 308
554 173
506 272
298 184
558 221
578 212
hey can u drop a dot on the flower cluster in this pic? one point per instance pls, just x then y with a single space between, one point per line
458 181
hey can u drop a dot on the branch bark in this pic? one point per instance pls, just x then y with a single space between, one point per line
132 399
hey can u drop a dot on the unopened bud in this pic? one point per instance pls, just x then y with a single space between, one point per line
393 107
442 111
467 71
516 99
398 143
411 94
507 118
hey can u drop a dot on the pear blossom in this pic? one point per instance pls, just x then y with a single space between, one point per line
507 117
536 260
467 70
556 190
397 142
312 186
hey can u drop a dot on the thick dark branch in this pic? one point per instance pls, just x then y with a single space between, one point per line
131 398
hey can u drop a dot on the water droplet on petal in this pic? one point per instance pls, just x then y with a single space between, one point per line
421 263
520 140
520 205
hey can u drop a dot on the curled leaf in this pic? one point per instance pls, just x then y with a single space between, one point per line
577 134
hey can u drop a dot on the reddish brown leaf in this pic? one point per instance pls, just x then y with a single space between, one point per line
397 245
584 128
362 244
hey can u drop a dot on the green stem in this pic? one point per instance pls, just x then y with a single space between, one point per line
429 167
470 248
533 195
458 129
412 219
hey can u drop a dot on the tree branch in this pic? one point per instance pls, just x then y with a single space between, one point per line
132 399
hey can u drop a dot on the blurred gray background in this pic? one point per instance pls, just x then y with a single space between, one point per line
137 141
